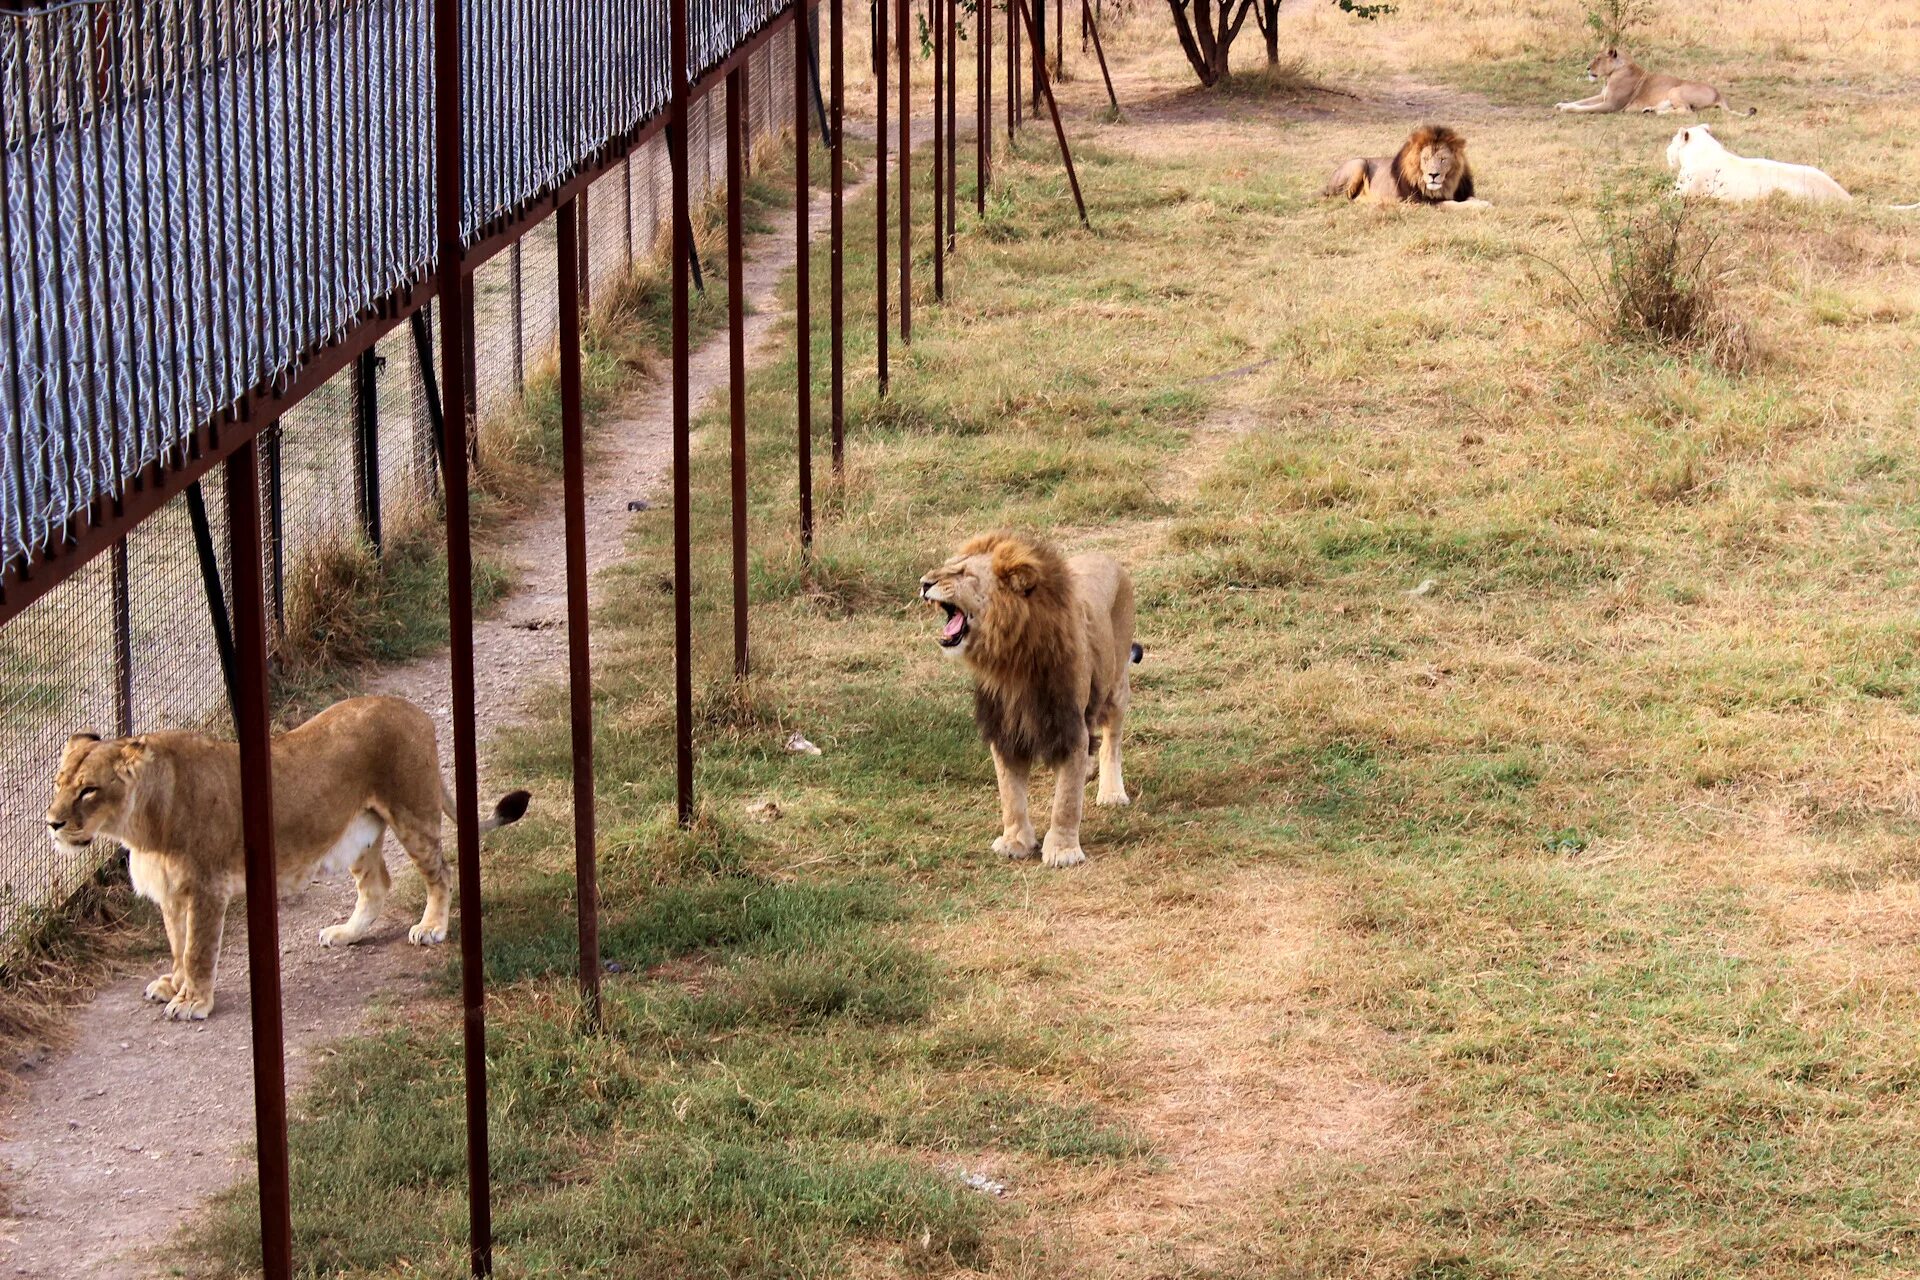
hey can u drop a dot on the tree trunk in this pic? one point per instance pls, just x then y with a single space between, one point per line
1268 16
1206 37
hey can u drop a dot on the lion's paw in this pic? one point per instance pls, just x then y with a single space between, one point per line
1015 849
425 935
189 1008
162 989
1064 855
1113 799
338 935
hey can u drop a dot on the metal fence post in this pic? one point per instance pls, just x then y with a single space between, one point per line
456 319
906 171
836 243
737 359
276 527
366 442
953 135
122 641
579 658
682 523
254 729
881 275
802 276
938 30
517 304
982 103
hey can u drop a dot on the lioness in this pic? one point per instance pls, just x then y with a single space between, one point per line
1430 168
1631 87
1050 641
1706 168
339 781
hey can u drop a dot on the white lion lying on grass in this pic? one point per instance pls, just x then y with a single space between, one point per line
1707 168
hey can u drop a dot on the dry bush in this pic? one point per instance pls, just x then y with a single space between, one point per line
333 596
1614 21
1655 274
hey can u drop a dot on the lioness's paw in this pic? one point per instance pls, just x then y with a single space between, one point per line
1113 799
1062 854
425 935
1015 849
338 935
161 989
189 1008
1071 856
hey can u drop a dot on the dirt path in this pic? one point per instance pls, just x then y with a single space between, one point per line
114 1141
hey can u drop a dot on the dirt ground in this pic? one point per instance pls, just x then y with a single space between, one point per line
114 1140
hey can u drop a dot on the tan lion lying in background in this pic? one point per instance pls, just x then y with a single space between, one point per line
1050 641
339 781
1631 87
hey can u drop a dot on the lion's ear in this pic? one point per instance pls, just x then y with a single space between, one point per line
1016 568
134 755
1613 53
78 746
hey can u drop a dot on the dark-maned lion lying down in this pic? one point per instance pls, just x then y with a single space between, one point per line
1430 168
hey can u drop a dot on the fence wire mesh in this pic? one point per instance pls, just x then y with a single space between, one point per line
127 644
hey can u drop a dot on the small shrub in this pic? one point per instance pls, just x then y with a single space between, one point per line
1612 21
1656 276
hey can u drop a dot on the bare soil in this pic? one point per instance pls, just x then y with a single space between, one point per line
115 1140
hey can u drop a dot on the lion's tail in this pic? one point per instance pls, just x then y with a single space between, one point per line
510 808
1727 107
1138 653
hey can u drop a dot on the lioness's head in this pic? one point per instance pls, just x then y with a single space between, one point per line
1605 64
92 788
991 570
1431 162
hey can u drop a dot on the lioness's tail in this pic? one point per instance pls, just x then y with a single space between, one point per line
510 808
1727 107
1138 653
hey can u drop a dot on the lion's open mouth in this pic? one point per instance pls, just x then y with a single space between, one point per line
957 626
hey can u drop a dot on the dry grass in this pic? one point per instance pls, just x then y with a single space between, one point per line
1520 881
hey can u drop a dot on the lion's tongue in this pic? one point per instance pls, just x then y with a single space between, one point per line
954 624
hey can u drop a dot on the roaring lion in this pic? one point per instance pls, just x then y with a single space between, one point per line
339 781
1049 641
1430 168
1631 87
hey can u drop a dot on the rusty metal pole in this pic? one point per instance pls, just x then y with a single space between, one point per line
1059 130
737 357
802 275
953 136
253 723
982 104
455 325
836 71
938 30
573 469
1013 74
881 276
586 249
682 520
906 171
1093 25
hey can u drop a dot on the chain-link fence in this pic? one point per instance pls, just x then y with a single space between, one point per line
128 643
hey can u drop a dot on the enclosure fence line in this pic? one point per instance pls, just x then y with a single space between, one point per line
208 214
